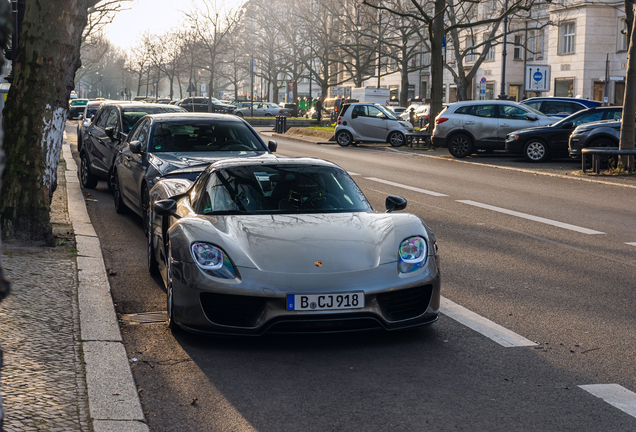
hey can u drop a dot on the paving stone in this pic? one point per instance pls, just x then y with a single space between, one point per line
43 385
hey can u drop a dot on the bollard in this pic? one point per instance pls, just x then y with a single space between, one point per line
412 116
284 124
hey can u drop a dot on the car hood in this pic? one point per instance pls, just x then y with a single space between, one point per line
306 243
167 162
535 130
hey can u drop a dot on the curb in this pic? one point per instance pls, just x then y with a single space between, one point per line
113 401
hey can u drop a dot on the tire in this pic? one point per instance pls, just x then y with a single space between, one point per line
87 179
344 138
460 146
267 115
172 323
603 142
120 207
239 114
396 139
153 265
79 141
536 151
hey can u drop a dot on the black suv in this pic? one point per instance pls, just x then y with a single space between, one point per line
538 144
107 131
200 104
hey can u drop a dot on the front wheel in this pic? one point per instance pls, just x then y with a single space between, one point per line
172 324
536 151
88 180
344 138
461 146
396 139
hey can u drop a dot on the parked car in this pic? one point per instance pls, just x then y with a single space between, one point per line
465 127
85 120
263 109
398 110
258 247
293 108
108 130
540 143
605 133
200 104
405 115
76 107
560 106
162 143
367 122
164 101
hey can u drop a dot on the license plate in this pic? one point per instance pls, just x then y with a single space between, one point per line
315 302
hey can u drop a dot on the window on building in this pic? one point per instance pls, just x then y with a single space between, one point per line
471 56
530 45
564 87
539 45
619 92
622 43
566 37
518 48
490 55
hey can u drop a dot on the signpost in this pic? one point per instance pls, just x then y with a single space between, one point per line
537 78
482 87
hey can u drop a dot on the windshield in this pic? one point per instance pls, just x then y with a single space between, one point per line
204 136
272 189
130 116
79 102
273 105
388 113
537 112
215 101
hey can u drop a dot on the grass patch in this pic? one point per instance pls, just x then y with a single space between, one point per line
72 252
321 128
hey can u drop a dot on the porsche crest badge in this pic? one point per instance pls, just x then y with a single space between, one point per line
318 263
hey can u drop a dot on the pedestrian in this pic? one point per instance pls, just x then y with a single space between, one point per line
525 96
338 105
318 107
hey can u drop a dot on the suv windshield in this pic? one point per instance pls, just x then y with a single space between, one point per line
537 112
272 189
204 136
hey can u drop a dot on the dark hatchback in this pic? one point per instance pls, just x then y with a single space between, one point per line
538 144
108 130
181 146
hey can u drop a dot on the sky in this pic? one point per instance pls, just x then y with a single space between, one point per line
154 16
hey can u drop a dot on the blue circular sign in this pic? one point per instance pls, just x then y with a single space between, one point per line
538 76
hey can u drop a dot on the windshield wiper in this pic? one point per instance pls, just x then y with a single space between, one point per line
228 212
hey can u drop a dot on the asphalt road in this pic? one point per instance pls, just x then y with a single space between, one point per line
545 257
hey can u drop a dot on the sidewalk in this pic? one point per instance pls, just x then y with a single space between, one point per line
65 366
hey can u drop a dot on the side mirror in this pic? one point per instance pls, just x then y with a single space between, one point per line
272 146
167 207
568 125
80 117
135 147
395 203
110 132
532 117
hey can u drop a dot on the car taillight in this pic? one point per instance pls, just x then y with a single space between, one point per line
339 118
440 120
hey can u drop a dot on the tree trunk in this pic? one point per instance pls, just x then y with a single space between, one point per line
436 35
139 81
5 35
404 83
35 114
629 105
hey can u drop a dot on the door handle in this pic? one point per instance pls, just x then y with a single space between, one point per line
469 122
505 124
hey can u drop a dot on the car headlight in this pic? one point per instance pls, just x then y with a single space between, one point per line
512 137
412 254
212 260
403 124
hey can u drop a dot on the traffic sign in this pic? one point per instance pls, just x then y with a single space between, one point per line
538 78
483 80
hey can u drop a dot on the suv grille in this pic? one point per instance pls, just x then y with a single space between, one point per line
404 304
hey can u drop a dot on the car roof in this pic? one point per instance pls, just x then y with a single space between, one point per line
129 104
586 102
179 116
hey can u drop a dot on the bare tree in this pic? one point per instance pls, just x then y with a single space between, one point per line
628 127
164 51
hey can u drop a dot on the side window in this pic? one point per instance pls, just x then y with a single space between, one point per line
536 105
101 120
134 135
614 115
112 119
512 112
187 101
358 110
559 107
373 112
142 136
484 111
595 116
463 110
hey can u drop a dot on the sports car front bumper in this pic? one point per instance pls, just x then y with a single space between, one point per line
257 304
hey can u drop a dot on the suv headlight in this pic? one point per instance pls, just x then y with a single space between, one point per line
412 254
212 260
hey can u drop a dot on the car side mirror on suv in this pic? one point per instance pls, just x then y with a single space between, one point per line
110 132
532 117
568 125
135 147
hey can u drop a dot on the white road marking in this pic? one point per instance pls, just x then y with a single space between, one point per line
352 173
631 243
532 218
491 330
615 395
424 191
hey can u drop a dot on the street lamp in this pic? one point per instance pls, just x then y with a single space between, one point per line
380 44
504 53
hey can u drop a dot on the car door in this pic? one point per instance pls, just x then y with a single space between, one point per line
259 109
560 138
370 123
482 122
113 139
98 153
131 170
512 118
187 104
200 104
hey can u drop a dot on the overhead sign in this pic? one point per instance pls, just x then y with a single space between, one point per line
538 78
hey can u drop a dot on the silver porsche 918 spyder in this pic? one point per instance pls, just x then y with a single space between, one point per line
288 246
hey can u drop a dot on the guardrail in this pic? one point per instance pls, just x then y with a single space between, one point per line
599 153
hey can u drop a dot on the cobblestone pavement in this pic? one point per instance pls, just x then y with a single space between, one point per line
42 380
